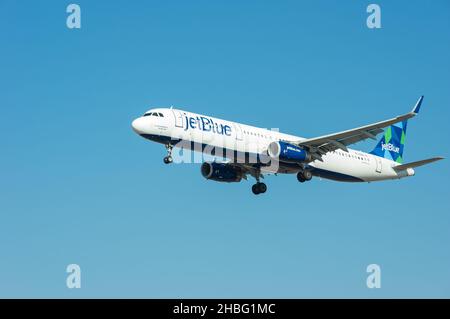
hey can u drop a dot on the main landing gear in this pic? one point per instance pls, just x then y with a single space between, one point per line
304 176
258 188
168 159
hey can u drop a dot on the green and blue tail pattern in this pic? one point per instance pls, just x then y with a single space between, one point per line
392 143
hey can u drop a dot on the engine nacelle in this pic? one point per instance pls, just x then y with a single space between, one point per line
285 152
221 172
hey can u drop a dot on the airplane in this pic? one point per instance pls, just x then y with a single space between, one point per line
253 151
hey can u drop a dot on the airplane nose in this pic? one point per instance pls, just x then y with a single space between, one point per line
138 125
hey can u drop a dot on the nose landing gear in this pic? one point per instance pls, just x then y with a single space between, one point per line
168 159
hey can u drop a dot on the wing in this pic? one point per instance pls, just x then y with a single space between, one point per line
321 145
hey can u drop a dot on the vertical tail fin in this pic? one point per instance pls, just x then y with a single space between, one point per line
392 143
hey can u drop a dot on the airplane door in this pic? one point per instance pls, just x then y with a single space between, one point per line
379 164
238 129
178 118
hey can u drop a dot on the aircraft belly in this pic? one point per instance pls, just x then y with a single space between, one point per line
335 168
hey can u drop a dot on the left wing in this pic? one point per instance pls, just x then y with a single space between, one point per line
321 145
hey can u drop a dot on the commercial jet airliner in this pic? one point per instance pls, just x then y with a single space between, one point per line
249 150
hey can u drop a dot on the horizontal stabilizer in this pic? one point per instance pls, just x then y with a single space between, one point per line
416 164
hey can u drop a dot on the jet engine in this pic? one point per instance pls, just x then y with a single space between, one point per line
285 152
221 172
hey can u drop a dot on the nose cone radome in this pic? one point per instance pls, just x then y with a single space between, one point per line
139 125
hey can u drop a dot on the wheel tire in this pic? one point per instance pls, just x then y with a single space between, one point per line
307 175
300 177
255 189
262 188
168 159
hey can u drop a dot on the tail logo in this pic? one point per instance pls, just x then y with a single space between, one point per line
390 147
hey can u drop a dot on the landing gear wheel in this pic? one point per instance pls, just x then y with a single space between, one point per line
300 177
168 159
259 188
307 175
262 188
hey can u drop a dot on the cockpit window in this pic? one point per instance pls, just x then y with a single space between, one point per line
152 114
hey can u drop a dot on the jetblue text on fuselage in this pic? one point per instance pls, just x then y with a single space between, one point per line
207 125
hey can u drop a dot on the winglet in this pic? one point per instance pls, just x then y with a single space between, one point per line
416 108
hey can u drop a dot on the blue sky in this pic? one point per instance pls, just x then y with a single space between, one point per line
78 186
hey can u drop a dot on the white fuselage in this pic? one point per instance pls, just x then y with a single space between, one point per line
177 125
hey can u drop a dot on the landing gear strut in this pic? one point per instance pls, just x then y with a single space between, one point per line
168 159
304 176
259 188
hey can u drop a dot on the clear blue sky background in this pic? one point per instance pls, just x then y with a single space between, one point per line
78 186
